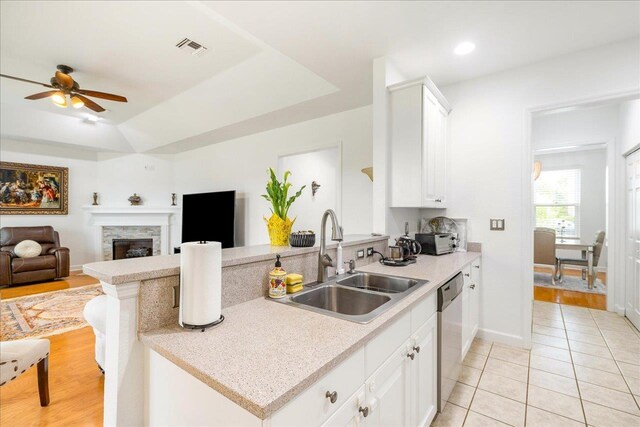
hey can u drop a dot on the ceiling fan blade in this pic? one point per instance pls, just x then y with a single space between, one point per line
65 80
25 80
41 95
90 104
102 95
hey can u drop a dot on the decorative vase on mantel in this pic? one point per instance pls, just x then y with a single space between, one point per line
135 200
279 224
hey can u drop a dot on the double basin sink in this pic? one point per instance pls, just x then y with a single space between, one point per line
358 297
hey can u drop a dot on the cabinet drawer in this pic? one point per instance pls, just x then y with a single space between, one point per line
313 406
381 347
424 310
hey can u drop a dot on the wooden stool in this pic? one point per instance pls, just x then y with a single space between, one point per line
18 356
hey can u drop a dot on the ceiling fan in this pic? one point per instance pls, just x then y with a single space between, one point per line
63 85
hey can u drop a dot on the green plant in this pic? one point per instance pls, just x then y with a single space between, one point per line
277 193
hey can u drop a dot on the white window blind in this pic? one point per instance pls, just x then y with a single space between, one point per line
557 201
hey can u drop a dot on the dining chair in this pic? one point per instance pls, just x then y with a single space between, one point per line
16 357
544 250
584 263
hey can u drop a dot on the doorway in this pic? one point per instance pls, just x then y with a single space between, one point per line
573 152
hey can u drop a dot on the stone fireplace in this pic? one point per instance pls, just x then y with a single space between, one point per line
131 248
131 223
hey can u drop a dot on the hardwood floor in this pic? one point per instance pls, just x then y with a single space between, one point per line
76 385
73 281
561 296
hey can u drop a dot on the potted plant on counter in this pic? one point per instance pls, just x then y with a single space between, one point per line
279 225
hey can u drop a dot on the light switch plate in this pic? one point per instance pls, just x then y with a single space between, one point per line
496 224
360 253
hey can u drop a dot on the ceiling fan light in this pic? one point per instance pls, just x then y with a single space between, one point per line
59 99
77 102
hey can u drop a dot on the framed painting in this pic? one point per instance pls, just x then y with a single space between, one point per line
33 189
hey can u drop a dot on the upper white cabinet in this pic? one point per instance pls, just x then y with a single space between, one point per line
418 145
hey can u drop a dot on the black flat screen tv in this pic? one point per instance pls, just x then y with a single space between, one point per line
209 217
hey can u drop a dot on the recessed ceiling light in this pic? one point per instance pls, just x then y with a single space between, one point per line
92 118
464 48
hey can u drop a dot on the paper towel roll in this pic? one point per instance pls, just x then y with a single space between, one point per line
200 283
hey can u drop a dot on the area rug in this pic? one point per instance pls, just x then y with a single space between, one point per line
569 283
45 314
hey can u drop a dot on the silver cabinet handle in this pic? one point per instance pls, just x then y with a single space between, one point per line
477 266
411 355
472 286
438 200
365 411
332 396
417 349
466 274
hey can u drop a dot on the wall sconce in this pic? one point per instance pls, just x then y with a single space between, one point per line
537 169
314 188
369 172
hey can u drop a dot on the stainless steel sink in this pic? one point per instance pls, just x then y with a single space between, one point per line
341 300
359 297
378 283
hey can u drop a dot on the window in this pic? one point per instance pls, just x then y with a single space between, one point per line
557 201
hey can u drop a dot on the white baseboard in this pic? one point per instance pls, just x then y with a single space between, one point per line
619 309
501 338
75 268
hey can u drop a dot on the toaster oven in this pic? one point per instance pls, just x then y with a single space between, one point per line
436 243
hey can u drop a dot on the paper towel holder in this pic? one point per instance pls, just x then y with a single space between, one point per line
203 327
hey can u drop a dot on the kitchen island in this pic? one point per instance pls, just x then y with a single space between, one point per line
262 361
261 368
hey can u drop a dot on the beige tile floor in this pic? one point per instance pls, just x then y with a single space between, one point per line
583 369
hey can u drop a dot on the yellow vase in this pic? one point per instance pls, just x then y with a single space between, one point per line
279 230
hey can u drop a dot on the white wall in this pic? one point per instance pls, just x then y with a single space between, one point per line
629 125
73 230
593 209
575 127
323 167
241 164
488 131
114 177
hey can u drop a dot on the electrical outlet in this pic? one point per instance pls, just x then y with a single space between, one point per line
360 253
369 252
496 224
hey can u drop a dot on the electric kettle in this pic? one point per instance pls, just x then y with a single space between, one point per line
409 247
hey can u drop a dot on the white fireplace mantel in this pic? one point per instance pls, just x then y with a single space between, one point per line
104 216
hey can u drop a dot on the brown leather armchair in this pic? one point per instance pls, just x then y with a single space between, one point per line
53 262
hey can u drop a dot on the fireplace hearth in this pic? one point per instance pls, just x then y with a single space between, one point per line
132 248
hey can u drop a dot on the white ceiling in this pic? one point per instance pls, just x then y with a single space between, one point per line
269 64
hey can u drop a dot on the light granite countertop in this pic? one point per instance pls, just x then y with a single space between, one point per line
234 358
147 268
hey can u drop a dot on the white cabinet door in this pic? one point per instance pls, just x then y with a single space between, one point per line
441 156
466 311
406 116
349 414
430 154
418 147
632 257
474 306
424 373
388 392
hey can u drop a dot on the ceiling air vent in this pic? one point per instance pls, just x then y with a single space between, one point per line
189 45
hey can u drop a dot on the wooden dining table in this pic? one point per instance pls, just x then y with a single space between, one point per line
586 249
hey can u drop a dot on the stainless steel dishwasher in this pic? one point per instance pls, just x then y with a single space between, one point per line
449 337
